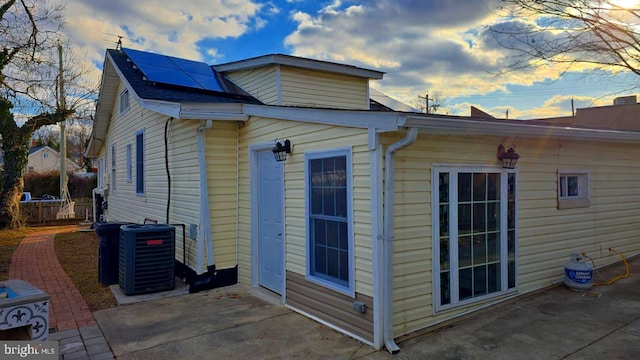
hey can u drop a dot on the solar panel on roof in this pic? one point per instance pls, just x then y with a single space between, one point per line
174 71
190 66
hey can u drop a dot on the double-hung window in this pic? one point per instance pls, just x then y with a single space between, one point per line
330 259
140 162
474 232
124 101
129 163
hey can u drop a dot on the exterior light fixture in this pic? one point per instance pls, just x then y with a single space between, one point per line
281 150
509 158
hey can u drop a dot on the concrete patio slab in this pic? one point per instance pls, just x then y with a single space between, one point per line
232 322
220 323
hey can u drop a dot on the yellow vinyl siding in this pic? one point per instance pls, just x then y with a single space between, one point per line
320 89
221 158
260 83
546 235
290 86
124 204
307 137
547 238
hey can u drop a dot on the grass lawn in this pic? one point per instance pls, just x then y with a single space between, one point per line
78 254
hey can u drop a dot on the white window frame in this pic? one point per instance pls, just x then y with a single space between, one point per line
348 290
129 164
124 101
113 168
583 199
453 233
100 175
140 173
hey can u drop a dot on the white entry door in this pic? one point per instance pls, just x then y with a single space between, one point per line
270 222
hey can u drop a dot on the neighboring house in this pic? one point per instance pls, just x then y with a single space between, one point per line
44 158
379 223
622 115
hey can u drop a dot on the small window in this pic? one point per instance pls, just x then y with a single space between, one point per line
45 155
140 162
573 189
330 225
129 163
124 101
113 168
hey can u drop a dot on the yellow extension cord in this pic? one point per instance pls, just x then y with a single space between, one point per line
626 266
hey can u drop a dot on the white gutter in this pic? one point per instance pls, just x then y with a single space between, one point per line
388 237
211 114
459 126
204 230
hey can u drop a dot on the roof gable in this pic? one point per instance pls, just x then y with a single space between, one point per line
36 149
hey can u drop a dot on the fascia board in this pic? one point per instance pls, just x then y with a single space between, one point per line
381 121
451 126
212 115
162 107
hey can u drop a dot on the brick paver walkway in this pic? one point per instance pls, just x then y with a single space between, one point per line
35 262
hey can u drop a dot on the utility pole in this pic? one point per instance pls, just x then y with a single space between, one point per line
63 134
426 102
67 207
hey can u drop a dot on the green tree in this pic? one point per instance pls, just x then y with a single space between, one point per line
29 29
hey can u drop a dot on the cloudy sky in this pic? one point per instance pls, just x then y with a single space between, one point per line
442 47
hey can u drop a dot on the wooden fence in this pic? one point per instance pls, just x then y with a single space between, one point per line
42 212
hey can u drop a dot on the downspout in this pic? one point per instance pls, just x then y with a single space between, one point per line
204 230
166 167
388 237
237 192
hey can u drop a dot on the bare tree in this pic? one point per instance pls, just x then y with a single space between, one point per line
599 34
30 99
432 103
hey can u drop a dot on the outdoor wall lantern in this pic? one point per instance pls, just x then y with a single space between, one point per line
509 158
281 150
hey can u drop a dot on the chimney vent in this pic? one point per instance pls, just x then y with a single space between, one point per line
625 100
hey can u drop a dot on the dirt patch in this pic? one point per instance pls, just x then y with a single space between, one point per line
78 254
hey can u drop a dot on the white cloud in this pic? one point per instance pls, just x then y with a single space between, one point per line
422 46
164 26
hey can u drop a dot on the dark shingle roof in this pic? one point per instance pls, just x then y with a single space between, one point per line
155 91
35 148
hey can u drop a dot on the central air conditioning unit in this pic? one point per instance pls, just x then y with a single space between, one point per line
146 261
